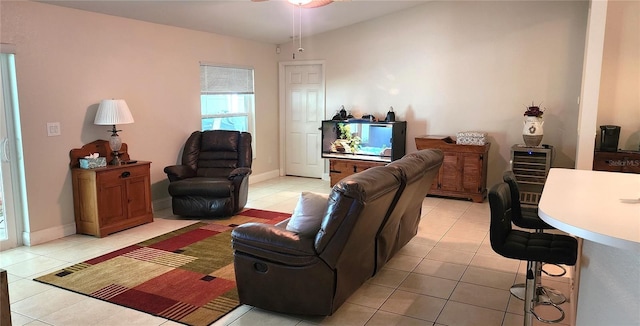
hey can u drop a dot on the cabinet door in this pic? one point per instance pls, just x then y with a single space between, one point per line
471 172
138 196
631 163
451 173
112 195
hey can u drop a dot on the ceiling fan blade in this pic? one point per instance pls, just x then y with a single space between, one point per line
317 3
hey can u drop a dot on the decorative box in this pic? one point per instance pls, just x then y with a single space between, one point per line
471 138
92 163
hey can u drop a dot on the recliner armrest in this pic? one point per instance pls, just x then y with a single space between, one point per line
273 243
239 172
179 172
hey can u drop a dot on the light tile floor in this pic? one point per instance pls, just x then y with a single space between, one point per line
447 275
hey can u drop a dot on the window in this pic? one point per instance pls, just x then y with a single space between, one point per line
227 98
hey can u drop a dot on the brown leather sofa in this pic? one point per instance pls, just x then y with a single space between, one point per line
213 179
370 216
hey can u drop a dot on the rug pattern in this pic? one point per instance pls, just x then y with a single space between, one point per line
186 275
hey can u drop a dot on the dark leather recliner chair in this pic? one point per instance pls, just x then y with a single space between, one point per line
213 179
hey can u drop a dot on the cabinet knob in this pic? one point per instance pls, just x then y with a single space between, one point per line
125 174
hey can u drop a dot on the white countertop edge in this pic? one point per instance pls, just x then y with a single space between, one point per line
589 235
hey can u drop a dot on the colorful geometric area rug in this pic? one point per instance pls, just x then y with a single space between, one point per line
186 275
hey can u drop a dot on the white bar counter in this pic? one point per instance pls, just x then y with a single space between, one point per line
603 208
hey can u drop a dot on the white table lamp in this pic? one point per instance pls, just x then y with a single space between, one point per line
113 112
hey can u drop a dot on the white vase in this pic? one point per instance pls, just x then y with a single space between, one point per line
532 131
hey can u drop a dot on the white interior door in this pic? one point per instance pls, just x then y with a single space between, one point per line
303 115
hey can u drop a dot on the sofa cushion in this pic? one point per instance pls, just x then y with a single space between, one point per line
308 214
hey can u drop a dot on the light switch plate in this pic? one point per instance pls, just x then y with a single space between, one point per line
53 129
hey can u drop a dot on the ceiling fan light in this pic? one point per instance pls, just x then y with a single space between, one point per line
300 2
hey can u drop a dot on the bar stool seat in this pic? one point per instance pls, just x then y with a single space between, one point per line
530 246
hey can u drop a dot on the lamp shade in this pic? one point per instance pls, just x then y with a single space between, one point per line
113 112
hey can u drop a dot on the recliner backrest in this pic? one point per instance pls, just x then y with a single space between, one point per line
418 170
363 195
346 240
215 153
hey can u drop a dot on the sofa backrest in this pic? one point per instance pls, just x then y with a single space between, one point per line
418 170
432 161
215 153
346 240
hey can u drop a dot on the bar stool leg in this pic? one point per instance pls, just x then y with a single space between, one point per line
544 293
529 296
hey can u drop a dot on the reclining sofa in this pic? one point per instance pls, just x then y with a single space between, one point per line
370 216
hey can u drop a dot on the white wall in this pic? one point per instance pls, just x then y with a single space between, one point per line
452 66
68 60
444 66
619 102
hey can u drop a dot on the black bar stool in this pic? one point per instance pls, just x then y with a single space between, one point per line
527 218
530 246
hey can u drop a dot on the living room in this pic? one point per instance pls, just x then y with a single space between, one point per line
445 67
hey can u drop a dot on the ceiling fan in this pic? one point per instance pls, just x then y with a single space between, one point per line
308 3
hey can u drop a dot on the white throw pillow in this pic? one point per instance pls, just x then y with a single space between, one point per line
307 216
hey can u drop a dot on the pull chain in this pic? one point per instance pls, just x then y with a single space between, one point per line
300 49
293 35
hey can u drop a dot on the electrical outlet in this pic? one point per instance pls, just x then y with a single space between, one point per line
53 129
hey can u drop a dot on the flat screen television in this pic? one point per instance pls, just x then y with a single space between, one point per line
363 140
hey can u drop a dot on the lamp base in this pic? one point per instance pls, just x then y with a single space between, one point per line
116 158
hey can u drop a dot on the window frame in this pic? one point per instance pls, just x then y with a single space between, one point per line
249 108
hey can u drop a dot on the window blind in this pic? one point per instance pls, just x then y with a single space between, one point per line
225 80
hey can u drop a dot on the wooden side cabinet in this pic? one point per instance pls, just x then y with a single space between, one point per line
112 198
463 173
620 161
341 168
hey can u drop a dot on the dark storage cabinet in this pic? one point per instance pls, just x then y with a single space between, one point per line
620 161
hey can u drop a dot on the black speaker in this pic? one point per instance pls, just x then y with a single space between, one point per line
609 136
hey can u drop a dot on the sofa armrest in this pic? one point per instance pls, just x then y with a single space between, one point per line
179 172
239 172
273 243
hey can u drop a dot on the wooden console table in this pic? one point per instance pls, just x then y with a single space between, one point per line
463 173
112 198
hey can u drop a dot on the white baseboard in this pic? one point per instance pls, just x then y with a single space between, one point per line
326 177
160 204
46 235
255 178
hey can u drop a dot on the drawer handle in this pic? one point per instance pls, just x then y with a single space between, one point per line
125 174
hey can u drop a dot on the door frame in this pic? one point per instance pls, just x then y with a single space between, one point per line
18 197
282 80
